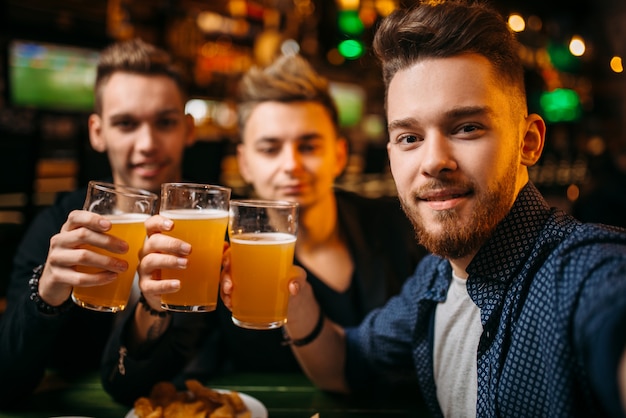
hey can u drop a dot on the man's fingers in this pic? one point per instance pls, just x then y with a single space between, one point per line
296 276
82 218
160 243
158 223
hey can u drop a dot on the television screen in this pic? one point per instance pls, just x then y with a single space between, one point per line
50 76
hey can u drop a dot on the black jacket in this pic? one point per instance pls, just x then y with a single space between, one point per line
32 342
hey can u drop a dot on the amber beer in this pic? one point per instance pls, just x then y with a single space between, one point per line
262 240
260 265
127 208
205 230
113 296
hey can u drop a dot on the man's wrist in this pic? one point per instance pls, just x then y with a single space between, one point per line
153 312
299 342
43 306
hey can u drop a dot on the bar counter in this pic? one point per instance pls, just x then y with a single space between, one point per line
285 396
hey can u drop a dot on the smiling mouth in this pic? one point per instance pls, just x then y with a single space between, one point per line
443 196
147 171
150 166
292 187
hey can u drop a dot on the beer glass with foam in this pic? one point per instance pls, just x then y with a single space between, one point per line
262 241
200 216
127 208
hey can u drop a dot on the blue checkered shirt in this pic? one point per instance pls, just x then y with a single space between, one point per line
552 299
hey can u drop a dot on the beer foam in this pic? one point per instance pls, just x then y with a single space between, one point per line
194 213
127 218
263 238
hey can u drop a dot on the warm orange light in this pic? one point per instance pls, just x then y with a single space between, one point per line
616 64
516 23
348 4
573 192
385 7
334 57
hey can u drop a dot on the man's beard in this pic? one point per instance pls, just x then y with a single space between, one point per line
460 237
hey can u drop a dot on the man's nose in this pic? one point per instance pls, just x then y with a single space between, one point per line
437 154
146 137
291 158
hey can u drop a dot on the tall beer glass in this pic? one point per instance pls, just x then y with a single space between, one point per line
127 208
200 215
262 242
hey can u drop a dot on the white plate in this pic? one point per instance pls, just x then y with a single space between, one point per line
256 408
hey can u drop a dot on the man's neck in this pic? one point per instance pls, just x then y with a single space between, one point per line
317 224
459 265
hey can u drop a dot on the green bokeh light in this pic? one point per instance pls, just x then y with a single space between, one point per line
560 105
350 23
562 58
351 49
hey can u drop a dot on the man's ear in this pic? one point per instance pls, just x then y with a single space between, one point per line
191 130
534 140
95 133
341 150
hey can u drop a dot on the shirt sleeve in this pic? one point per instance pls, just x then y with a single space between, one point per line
379 351
128 375
600 325
26 335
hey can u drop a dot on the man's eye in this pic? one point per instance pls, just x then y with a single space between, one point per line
167 123
308 148
268 151
468 128
408 139
125 124
469 131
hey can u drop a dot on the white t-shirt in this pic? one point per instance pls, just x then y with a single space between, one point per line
457 333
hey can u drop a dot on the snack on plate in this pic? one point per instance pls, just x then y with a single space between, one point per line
198 401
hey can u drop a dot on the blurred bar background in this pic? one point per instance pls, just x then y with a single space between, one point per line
572 50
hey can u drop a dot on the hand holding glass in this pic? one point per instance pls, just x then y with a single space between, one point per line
127 208
200 215
262 242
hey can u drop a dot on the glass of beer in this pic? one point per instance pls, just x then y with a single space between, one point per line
262 241
200 216
127 208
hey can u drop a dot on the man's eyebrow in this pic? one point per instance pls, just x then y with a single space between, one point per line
311 136
457 112
160 113
266 139
469 111
401 123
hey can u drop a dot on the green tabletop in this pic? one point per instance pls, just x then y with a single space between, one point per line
282 395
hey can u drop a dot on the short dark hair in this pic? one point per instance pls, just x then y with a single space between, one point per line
138 57
443 29
290 78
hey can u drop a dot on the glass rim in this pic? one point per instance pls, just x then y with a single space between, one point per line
192 185
122 188
264 203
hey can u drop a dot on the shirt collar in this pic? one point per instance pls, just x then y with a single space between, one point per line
513 240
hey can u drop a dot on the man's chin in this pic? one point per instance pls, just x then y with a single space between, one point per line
293 199
151 184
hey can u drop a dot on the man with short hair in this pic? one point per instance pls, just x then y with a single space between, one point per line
140 122
521 309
